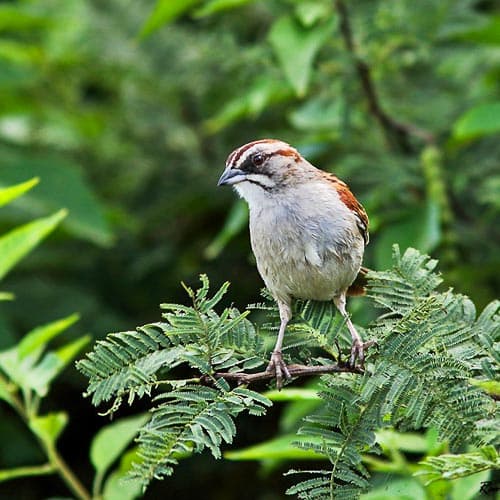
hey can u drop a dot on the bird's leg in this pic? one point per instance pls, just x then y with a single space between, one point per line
358 347
276 363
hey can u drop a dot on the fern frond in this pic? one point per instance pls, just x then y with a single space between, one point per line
189 420
456 466
128 364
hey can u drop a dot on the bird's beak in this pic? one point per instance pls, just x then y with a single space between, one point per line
231 176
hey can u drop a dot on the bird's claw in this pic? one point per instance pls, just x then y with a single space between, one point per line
358 352
278 366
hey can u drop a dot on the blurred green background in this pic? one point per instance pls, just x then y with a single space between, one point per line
126 111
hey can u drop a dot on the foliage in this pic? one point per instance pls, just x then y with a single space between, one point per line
126 111
430 346
29 369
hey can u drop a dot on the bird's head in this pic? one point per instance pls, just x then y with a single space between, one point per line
264 166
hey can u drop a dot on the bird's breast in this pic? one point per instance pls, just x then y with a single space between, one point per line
305 257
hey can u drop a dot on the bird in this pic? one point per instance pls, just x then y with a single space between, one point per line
308 233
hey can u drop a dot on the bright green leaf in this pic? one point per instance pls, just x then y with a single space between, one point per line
7 296
15 244
11 193
51 365
215 6
469 488
397 489
49 427
278 448
489 33
110 442
164 12
491 387
310 12
295 48
36 340
412 442
4 390
293 395
478 121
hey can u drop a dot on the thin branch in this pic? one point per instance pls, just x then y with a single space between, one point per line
398 132
295 371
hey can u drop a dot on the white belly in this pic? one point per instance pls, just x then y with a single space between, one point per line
316 260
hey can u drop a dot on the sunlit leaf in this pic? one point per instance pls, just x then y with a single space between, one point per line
11 193
38 338
277 448
15 244
51 365
478 121
49 427
488 34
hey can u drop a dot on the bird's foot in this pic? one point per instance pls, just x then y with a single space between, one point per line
278 366
358 352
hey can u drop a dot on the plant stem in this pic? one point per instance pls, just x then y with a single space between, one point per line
68 476
399 133
33 470
56 463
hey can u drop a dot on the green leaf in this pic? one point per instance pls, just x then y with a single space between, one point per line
15 244
119 485
469 488
310 12
165 11
110 442
51 365
295 48
478 121
49 427
63 184
19 362
37 339
293 395
7 296
235 222
214 6
250 103
281 448
487 34
4 391
419 228
398 489
11 193
390 439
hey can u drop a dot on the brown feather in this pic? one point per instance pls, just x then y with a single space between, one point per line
358 286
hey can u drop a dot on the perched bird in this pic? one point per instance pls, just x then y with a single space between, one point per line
308 232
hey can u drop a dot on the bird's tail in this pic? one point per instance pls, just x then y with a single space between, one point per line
358 286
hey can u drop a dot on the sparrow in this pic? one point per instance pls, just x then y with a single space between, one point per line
308 233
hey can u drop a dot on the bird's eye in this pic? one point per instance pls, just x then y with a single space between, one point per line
258 159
